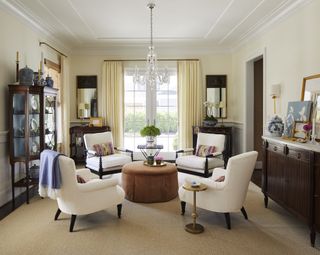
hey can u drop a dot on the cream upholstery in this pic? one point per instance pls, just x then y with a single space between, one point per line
94 195
109 164
229 195
203 166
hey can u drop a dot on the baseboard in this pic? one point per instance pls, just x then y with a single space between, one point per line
6 209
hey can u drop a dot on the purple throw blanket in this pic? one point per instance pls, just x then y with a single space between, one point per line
49 174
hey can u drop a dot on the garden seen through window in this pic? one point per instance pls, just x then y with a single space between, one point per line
145 106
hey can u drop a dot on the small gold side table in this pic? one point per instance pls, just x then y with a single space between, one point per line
194 227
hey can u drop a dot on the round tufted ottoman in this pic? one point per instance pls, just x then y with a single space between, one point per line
148 184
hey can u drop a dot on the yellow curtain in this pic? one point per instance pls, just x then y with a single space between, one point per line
65 106
112 98
190 100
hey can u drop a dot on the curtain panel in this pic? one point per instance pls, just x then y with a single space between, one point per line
112 98
189 100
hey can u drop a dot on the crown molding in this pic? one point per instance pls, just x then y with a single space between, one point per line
14 8
262 26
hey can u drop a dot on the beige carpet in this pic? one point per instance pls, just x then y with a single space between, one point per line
154 229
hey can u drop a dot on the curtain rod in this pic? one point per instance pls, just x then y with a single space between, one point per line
194 59
40 43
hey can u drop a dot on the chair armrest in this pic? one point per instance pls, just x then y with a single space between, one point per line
86 174
123 150
97 185
211 184
184 151
214 155
92 153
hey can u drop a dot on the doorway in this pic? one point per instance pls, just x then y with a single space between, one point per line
255 105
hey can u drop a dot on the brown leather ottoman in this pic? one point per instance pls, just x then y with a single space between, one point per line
148 184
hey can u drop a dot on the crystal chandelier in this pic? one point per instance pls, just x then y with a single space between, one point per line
152 76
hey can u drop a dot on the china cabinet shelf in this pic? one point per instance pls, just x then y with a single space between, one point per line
32 109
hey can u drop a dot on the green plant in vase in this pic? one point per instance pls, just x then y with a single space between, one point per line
150 132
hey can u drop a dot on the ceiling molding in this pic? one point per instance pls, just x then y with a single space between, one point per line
201 44
33 23
218 19
60 22
241 22
278 16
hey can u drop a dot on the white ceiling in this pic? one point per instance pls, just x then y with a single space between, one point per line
214 24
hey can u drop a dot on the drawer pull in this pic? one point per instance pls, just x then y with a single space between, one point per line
299 155
275 148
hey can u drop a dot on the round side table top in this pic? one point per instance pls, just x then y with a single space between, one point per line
190 187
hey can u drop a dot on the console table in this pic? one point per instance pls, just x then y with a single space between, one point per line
291 177
217 129
77 147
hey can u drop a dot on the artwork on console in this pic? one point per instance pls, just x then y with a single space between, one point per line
299 131
297 111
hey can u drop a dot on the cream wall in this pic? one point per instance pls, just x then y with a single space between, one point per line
291 52
214 63
15 36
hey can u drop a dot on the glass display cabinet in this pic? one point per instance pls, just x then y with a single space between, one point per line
32 128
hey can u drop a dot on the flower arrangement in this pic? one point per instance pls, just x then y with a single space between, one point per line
150 131
307 127
158 159
210 109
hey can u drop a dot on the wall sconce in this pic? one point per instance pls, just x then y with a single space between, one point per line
275 93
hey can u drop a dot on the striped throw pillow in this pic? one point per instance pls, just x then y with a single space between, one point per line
204 150
104 149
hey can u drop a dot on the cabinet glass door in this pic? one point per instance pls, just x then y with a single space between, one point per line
34 124
50 122
19 124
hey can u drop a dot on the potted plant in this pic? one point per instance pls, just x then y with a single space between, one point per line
158 160
150 132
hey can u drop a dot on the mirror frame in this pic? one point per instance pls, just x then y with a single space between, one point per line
89 82
304 84
219 82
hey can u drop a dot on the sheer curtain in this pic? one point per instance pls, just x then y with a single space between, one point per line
65 107
112 98
190 100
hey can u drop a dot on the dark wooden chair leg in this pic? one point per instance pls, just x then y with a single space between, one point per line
57 214
183 207
265 201
119 207
73 220
245 215
227 216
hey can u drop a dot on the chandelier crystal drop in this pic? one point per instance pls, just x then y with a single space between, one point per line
152 76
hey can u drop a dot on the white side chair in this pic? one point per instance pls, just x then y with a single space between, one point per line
85 198
203 166
102 165
226 196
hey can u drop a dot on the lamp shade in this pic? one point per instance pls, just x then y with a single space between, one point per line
275 90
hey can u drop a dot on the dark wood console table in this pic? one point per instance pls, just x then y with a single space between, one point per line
77 147
291 177
218 129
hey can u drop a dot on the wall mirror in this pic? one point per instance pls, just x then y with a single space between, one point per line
217 94
87 96
311 92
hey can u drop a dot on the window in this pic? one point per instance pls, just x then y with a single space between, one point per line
158 106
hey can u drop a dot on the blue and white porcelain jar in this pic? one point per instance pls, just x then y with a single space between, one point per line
276 126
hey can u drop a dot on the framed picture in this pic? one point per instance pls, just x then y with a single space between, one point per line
297 111
299 132
96 122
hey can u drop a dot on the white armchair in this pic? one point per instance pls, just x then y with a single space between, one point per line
228 195
109 164
85 198
203 166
